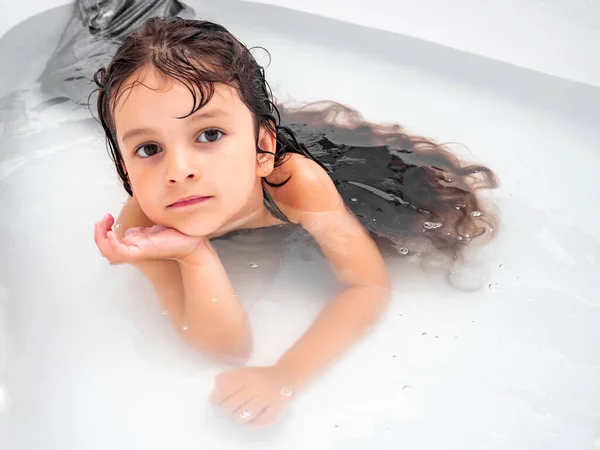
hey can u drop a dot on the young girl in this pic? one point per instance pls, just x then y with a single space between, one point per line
199 147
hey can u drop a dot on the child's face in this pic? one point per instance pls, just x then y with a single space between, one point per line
211 154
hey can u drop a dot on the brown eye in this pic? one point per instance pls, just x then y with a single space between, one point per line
211 135
147 150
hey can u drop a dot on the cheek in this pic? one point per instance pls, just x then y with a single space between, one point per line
237 169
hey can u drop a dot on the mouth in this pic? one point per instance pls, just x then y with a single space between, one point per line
188 201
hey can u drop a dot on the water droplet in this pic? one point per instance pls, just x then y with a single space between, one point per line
493 286
437 337
165 312
404 251
234 294
287 392
117 226
353 199
424 334
374 220
501 265
431 225
387 430
394 356
596 444
184 328
253 265
407 389
214 299
476 213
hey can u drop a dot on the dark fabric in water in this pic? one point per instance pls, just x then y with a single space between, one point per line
393 189
92 36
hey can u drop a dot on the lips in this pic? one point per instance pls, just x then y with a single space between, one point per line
186 201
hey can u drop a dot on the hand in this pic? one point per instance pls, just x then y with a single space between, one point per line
156 242
256 396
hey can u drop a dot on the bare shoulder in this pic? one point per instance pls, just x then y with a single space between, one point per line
309 188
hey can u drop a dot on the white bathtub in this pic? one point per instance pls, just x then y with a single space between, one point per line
87 361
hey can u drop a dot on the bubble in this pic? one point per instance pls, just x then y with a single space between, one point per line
407 389
431 225
253 265
214 299
287 392
353 199
234 294
117 226
424 334
476 214
404 251
165 312
184 328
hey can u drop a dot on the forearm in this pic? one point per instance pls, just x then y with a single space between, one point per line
213 318
341 323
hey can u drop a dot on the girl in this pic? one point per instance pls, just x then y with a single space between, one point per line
199 146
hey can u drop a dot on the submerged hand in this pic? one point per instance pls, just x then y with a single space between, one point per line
256 396
156 242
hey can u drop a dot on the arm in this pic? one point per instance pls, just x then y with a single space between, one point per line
316 205
185 289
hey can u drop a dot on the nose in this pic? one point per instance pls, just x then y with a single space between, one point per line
180 166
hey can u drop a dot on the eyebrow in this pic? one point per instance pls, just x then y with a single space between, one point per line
193 118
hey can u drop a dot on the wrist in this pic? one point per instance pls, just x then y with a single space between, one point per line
203 255
295 377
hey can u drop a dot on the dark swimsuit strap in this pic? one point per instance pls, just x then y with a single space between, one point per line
272 207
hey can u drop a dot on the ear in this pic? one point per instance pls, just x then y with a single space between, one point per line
265 162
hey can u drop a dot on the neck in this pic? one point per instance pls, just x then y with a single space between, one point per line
253 215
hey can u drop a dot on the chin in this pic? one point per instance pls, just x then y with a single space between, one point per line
197 227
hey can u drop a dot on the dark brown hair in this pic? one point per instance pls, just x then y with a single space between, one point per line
435 193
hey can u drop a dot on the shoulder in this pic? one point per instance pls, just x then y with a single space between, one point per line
308 188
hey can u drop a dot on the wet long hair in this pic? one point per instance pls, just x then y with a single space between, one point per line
433 192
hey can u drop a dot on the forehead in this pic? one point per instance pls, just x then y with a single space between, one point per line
149 94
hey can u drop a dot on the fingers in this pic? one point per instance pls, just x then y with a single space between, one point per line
234 402
269 415
109 245
221 395
100 237
250 411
